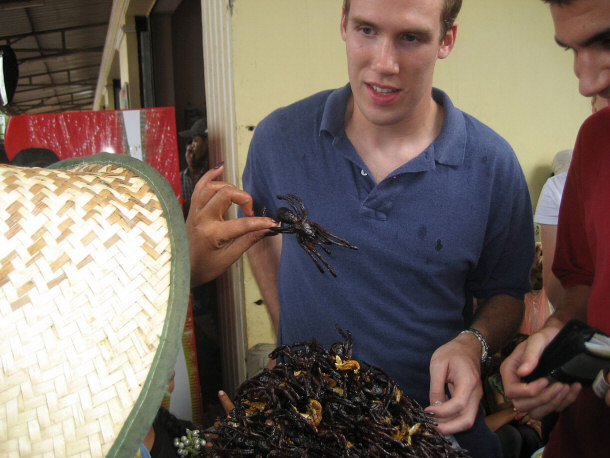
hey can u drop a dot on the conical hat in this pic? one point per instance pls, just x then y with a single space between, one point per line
94 283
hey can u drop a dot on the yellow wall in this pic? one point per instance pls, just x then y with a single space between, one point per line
283 50
505 70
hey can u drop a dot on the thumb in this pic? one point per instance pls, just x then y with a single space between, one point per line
437 387
534 346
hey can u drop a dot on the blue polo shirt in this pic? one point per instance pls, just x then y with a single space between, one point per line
452 223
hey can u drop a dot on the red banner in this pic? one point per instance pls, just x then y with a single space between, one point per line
147 134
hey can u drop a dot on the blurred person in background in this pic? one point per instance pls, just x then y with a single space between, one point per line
197 160
547 216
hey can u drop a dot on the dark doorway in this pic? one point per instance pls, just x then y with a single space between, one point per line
178 75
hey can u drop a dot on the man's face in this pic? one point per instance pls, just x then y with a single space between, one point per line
392 47
197 152
584 27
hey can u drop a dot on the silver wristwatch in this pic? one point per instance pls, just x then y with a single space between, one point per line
485 355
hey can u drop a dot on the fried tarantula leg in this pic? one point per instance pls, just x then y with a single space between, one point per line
331 239
313 253
294 201
310 252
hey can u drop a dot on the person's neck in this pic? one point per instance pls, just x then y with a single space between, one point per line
195 172
385 148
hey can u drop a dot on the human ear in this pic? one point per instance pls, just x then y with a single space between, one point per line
447 42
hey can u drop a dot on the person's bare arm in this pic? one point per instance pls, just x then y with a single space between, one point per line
550 283
573 305
498 319
264 260
457 364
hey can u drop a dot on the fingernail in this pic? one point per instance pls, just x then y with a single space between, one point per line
437 403
220 164
221 393
432 422
430 414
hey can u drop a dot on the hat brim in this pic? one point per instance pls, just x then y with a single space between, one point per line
150 329
144 411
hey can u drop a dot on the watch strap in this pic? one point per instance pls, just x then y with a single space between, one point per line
485 354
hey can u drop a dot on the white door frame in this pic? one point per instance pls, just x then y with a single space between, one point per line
216 28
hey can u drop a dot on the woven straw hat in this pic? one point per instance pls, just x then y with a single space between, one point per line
94 282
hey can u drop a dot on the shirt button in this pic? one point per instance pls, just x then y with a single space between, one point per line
363 173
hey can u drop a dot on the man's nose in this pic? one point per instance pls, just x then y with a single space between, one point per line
593 77
386 60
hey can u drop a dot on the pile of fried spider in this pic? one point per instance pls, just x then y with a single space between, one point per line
318 402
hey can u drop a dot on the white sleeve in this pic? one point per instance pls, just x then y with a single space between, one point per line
547 210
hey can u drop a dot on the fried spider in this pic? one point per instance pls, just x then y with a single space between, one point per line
318 402
309 234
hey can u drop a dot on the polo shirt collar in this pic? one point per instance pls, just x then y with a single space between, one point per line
448 148
450 145
333 116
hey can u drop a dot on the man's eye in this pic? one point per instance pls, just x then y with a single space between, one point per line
409 37
366 30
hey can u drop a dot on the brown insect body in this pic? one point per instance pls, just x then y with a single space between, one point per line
310 235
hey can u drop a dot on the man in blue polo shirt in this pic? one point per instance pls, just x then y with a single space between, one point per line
435 201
